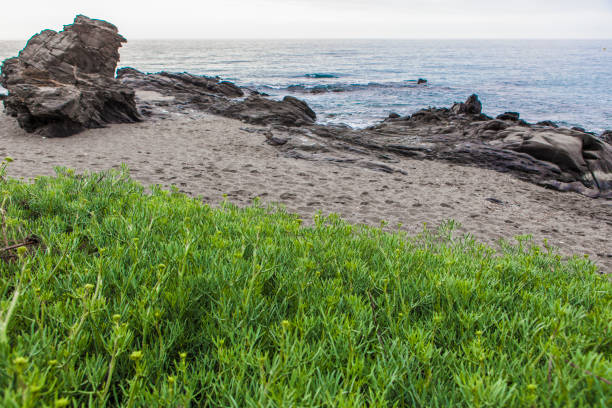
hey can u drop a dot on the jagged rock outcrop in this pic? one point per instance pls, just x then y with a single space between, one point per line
606 136
561 159
63 82
472 106
187 91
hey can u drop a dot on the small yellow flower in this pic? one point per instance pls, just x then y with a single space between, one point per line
52 363
171 379
21 251
35 388
116 318
89 287
285 324
61 403
136 355
479 333
183 356
532 387
20 363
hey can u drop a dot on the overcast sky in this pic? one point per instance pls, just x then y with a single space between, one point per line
320 18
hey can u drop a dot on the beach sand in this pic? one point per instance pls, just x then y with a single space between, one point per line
211 156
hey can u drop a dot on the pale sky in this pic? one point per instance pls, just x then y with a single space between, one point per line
185 19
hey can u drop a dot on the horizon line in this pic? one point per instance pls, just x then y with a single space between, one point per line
356 38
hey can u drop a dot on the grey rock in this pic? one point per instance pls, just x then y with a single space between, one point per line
561 159
63 82
548 123
514 116
219 97
471 106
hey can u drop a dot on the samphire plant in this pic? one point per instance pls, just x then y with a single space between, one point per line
116 296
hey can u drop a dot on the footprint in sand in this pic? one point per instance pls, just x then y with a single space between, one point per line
288 196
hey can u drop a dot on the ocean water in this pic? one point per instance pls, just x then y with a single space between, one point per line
359 82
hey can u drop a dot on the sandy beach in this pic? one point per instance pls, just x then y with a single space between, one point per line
215 157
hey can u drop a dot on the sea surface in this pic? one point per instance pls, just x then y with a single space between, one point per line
359 82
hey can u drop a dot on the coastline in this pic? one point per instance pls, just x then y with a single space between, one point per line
220 158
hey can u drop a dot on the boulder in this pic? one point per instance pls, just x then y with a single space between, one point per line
262 111
471 106
514 116
548 123
421 81
606 136
63 82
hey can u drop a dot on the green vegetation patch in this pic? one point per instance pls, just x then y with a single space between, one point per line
114 296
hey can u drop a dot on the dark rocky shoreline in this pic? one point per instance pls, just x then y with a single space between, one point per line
63 83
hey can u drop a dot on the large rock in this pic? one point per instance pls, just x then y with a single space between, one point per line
471 106
195 92
63 82
263 111
561 159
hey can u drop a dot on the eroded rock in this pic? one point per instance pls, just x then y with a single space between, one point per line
219 97
63 82
562 159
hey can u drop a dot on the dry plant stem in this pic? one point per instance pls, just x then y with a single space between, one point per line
3 212
8 248
589 373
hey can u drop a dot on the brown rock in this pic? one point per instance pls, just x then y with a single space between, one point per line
63 82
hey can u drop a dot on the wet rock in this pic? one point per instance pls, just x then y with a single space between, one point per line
262 111
547 123
561 159
183 86
471 106
63 82
607 137
219 97
514 116
421 81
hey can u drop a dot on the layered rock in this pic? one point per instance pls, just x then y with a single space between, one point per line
561 159
63 82
187 91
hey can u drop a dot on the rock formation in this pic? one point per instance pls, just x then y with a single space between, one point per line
63 82
561 159
187 91
472 106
